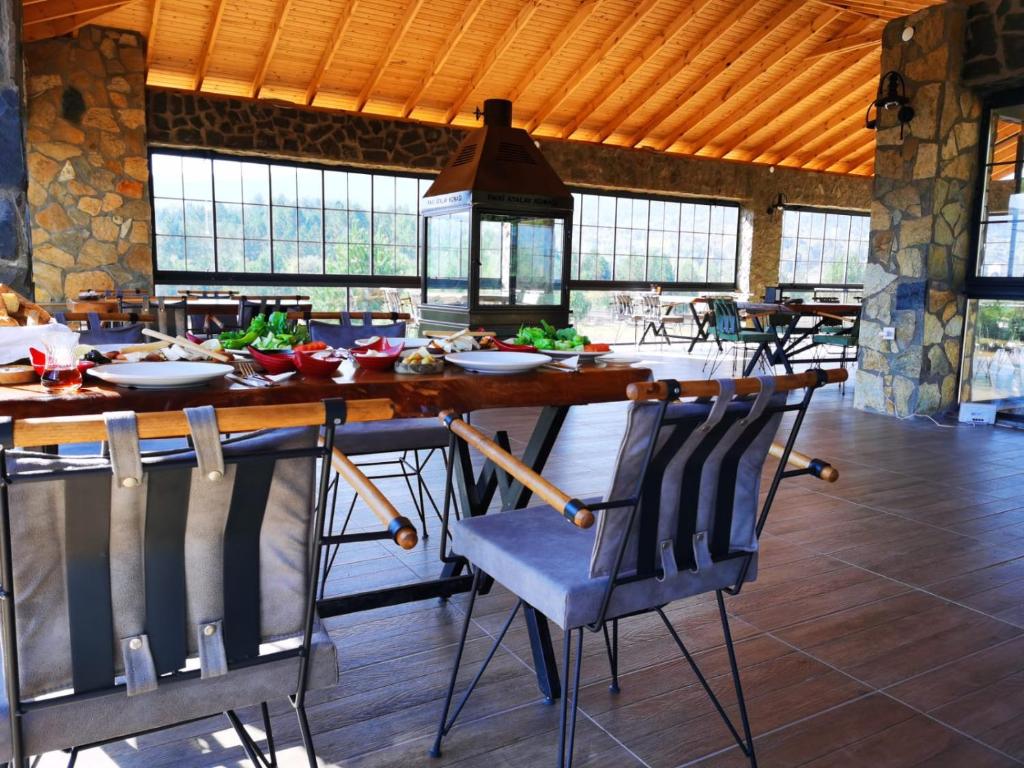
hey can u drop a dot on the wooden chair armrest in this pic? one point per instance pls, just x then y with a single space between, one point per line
818 468
572 509
401 530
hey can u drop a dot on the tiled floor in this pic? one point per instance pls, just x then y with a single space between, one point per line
886 629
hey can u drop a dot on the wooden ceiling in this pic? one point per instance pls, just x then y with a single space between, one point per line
782 82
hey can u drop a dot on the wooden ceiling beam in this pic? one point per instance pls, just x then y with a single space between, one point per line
60 9
469 14
411 10
820 78
841 150
564 37
884 11
763 67
844 134
327 56
47 29
870 33
715 69
788 140
283 8
154 18
594 60
653 47
210 43
494 55
853 159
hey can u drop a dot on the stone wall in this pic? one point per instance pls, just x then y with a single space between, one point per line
14 239
920 223
233 125
994 58
88 166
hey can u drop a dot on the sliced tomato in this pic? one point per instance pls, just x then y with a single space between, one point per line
311 346
597 348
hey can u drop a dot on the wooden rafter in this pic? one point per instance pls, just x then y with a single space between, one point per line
337 34
469 14
839 151
211 42
411 10
653 47
864 151
47 29
884 9
494 55
731 95
720 65
789 106
564 36
154 18
61 9
594 60
842 134
822 130
283 8
870 34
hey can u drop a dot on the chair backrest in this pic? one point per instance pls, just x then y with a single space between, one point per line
622 306
651 306
95 333
344 333
697 486
248 308
727 316
139 565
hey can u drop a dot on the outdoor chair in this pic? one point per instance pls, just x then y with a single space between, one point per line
149 589
728 326
624 313
415 439
249 307
681 519
656 322
845 337
96 333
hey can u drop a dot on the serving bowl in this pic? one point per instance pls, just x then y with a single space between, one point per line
273 362
382 362
316 367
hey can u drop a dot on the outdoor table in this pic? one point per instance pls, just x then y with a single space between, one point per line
420 395
791 338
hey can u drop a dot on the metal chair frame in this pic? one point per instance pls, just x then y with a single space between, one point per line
574 636
335 410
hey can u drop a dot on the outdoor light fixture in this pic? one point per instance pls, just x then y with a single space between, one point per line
779 204
891 95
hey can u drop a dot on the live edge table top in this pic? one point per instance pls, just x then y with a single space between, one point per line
419 395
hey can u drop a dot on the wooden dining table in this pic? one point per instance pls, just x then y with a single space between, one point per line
792 338
553 392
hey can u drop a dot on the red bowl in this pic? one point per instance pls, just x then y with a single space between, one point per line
379 362
380 345
316 367
38 360
273 362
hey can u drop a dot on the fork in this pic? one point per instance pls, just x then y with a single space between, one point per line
248 371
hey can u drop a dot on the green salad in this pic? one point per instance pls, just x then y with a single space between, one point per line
546 336
274 332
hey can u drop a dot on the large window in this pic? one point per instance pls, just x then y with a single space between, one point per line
823 248
654 240
267 222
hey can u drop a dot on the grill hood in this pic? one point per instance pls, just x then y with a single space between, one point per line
498 165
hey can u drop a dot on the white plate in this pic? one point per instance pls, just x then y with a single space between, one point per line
570 353
620 357
155 375
498 362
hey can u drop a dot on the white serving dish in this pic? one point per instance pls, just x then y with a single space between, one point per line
498 362
158 375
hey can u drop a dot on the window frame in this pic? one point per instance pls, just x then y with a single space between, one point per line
975 286
576 284
271 278
794 286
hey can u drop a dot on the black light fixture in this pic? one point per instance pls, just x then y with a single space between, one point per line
779 205
891 95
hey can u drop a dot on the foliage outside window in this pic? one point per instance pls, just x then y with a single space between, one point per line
654 240
258 218
821 247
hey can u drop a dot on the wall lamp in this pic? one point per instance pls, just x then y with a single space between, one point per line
779 205
891 95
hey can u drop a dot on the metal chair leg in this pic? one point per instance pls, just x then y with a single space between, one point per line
567 721
734 667
269 731
612 646
442 727
307 737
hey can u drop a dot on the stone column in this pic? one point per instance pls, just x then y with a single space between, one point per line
920 223
15 265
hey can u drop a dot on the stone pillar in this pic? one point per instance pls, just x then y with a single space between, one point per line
920 223
15 265
88 170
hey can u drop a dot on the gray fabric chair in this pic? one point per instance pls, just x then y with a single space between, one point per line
408 437
95 333
682 519
151 589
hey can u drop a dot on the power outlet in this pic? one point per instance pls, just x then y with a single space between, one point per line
889 333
